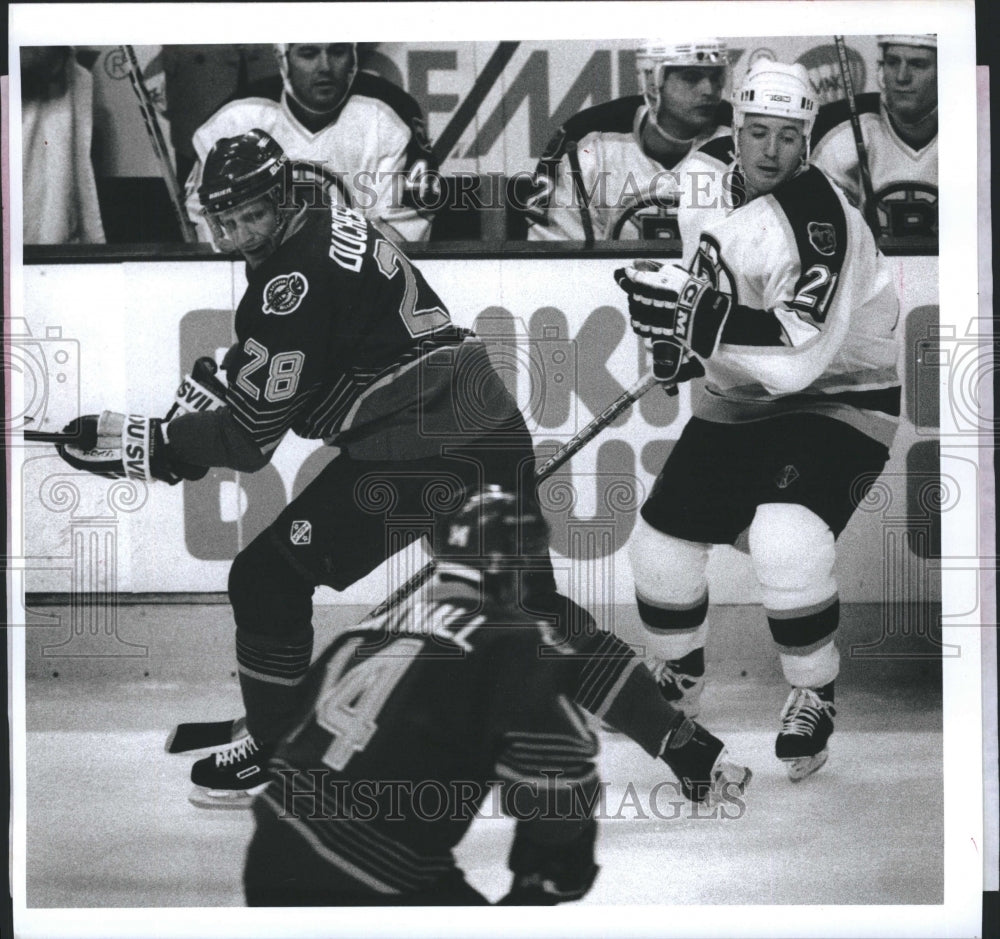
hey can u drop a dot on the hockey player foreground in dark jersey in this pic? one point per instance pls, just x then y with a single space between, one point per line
340 338
410 719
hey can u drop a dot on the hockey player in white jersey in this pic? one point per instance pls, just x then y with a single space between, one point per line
614 171
899 127
360 135
791 311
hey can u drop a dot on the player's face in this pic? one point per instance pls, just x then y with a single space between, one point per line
320 75
771 150
909 75
251 229
688 99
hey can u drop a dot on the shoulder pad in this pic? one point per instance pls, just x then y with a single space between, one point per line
369 85
270 88
724 114
719 148
816 217
836 113
611 117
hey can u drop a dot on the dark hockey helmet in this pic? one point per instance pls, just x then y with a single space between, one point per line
493 536
239 169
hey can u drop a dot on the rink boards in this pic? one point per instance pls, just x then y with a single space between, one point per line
121 334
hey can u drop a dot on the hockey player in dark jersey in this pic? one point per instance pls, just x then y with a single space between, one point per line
347 128
791 311
616 170
340 338
408 721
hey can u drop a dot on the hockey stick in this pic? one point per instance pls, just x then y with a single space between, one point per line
55 436
210 734
158 142
577 176
203 372
52 436
569 449
871 213
496 63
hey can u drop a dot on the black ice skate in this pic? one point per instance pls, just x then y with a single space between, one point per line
230 777
677 686
806 725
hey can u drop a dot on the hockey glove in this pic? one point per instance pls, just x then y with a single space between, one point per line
118 447
666 302
547 874
199 391
672 364
700 762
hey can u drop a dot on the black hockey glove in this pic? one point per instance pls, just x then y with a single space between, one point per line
199 391
546 874
118 446
672 364
700 762
667 303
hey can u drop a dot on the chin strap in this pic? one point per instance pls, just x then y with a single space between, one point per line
666 135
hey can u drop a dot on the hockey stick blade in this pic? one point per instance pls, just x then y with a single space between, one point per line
73 435
54 436
205 735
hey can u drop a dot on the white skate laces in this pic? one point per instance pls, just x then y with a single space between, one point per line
230 777
806 726
241 750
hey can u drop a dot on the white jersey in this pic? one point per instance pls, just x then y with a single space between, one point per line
812 327
369 153
596 183
904 180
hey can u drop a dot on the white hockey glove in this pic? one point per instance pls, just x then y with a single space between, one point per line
118 446
700 762
666 303
201 390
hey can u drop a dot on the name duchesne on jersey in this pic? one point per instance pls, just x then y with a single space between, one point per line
348 238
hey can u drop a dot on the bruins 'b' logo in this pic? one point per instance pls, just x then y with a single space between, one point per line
708 265
284 293
823 237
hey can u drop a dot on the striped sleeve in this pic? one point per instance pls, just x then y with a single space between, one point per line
546 751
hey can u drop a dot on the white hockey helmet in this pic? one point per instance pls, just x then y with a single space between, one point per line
655 56
921 40
281 54
776 89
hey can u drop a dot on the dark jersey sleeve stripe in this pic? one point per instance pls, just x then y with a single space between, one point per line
837 112
817 220
720 148
611 117
406 108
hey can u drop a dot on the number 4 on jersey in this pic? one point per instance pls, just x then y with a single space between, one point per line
351 700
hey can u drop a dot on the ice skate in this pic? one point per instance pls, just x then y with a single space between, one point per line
230 777
806 725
